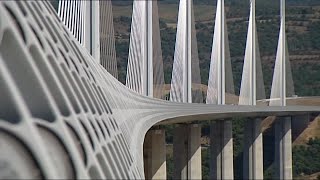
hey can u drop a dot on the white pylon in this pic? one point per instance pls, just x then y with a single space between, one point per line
252 88
282 84
220 75
252 84
145 66
220 82
185 84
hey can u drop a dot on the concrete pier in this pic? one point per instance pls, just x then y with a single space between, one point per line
283 148
221 146
155 155
253 150
187 152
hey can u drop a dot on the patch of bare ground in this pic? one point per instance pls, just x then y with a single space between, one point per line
311 57
314 176
312 131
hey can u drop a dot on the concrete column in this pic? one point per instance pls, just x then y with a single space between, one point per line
283 148
221 146
253 150
155 155
194 152
187 152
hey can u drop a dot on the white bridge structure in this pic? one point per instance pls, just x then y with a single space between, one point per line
64 114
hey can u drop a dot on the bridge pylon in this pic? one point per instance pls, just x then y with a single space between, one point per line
220 82
185 87
282 87
252 89
145 76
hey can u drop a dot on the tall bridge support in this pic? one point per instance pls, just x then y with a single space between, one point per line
155 155
253 150
283 148
221 163
252 89
282 87
187 152
145 65
145 76
220 82
186 80
185 88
